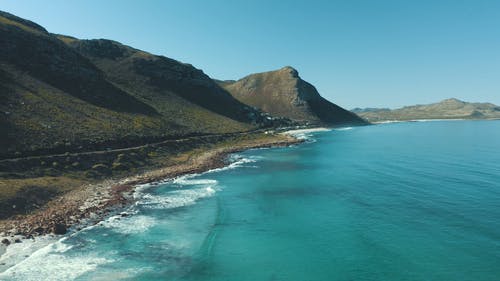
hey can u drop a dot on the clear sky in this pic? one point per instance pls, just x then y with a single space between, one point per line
372 53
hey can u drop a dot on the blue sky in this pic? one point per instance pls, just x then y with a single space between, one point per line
372 53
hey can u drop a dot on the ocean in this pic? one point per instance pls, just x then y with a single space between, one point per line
400 201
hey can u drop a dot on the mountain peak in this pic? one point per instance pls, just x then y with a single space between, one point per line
452 100
290 70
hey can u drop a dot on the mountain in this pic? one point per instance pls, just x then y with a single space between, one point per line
58 93
61 94
284 93
447 109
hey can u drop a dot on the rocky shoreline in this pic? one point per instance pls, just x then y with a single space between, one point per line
93 202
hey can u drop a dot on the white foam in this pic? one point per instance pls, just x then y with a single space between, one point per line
387 122
186 180
305 131
16 252
176 198
344 129
52 263
237 161
130 224
306 134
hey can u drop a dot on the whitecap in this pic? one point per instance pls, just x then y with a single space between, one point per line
53 263
130 224
176 198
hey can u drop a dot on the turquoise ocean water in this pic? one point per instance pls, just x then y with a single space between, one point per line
405 201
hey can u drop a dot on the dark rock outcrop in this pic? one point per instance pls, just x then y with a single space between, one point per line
59 228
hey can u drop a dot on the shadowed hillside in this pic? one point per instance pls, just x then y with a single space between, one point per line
284 93
30 49
147 75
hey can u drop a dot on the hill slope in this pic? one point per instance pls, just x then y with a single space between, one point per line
446 109
284 93
61 94
146 75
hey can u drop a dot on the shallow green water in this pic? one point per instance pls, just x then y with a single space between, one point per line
408 201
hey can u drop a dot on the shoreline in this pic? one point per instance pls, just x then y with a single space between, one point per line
92 202
296 132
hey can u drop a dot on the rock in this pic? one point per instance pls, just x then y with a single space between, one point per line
59 228
17 240
6 241
37 229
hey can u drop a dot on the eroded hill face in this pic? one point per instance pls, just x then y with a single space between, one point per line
284 93
446 109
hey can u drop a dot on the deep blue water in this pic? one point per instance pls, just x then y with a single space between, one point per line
406 201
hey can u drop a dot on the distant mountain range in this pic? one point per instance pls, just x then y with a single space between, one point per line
59 93
446 109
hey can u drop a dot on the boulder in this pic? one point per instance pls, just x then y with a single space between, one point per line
59 228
